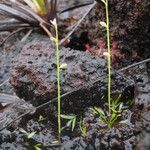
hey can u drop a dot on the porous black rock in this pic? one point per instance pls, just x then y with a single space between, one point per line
33 75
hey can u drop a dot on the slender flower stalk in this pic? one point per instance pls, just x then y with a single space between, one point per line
109 56
108 53
55 39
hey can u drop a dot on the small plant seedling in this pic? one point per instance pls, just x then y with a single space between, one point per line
71 120
28 135
116 112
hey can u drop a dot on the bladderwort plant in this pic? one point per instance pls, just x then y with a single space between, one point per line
56 41
108 54
114 106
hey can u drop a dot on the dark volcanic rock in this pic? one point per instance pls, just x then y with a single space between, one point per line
129 26
144 142
33 75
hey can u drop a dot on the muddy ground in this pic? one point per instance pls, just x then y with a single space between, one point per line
133 134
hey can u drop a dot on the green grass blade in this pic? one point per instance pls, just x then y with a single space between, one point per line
40 4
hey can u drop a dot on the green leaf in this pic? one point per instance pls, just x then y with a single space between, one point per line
120 106
117 99
63 66
83 128
93 110
104 120
99 110
37 147
67 117
129 102
30 135
113 109
69 123
62 128
73 123
103 24
113 118
23 131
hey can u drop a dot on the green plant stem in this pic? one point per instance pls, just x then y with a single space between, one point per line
109 59
58 84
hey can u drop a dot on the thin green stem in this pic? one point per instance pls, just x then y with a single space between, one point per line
58 84
109 55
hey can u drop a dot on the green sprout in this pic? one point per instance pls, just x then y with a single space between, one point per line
107 118
71 120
